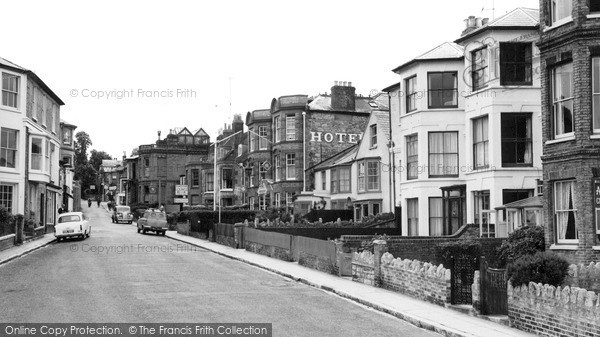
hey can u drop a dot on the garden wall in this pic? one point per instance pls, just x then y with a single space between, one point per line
224 234
554 311
363 270
417 279
330 233
584 276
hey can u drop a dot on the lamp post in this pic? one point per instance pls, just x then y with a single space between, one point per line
215 180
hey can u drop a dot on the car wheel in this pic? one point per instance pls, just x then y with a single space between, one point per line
164 233
89 232
143 231
139 230
58 239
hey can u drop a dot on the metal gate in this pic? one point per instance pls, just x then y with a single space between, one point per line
493 290
463 270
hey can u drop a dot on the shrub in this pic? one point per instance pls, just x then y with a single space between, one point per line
445 251
7 222
526 240
543 267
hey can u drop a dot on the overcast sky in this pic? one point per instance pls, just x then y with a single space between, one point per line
257 50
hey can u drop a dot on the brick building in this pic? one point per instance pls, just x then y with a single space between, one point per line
162 165
570 69
320 127
256 160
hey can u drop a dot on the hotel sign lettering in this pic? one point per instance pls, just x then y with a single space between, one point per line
340 137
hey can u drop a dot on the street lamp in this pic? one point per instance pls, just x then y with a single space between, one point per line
215 180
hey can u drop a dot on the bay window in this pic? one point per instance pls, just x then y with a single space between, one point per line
442 88
516 140
290 127
515 63
36 153
412 157
290 166
436 216
411 94
412 211
443 154
480 143
560 10
562 99
479 68
565 211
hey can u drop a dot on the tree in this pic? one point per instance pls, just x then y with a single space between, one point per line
82 143
96 158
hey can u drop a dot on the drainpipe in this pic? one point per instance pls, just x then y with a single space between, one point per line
26 185
393 158
304 151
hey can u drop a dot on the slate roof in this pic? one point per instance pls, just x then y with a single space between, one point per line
7 63
518 17
383 122
345 156
445 51
31 75
534 202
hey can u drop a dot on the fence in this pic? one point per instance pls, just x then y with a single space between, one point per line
316 254
330 233
271 244
224 234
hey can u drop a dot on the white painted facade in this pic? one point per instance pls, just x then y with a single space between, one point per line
500 179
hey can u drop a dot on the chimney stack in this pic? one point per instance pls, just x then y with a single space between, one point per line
343 96
472 23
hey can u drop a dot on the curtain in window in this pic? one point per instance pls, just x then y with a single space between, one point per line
413 216
528 147
436 153
565 214
436 217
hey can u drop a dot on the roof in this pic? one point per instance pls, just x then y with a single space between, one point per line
535 202
346 156
383 122
7 64
445 51
362 104
391 87
62 121
522 18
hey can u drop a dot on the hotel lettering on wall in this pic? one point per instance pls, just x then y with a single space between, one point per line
339 137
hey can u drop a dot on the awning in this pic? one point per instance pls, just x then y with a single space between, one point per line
68 195
53 188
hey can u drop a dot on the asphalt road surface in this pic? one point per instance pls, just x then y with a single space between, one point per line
120 276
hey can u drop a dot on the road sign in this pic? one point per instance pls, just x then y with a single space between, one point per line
180 200
92 187
181 190
262 190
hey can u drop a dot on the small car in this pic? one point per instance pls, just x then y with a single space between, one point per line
122 213
154 220
73 224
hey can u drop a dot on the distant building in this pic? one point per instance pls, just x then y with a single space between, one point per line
570 79
67 155
29 146
256 164
162 165
113 181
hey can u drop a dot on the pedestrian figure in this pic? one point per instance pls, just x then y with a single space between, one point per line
89 202
98 201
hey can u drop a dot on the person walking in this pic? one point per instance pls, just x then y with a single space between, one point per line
98 201
89 202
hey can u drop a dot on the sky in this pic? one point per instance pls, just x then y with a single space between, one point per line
127 69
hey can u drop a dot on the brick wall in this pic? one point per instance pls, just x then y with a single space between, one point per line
417 279
554 311
363 269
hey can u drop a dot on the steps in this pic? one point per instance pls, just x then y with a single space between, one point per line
469 310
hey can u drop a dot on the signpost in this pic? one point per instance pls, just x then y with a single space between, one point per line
181 190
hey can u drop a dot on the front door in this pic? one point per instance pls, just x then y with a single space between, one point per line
42 209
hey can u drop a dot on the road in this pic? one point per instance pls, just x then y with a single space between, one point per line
120 276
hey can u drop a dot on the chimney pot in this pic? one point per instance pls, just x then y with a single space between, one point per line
485 21
336 83
349 84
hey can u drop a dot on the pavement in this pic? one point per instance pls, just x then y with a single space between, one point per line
26 248
425 315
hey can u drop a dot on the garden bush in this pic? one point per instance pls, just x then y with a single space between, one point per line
526 240
542 267
7 223
445 251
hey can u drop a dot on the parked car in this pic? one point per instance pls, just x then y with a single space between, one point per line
154 220
122 213
73 224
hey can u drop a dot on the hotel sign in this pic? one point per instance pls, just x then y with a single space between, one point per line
339 137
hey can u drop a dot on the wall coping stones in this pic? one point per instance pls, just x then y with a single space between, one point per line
415 266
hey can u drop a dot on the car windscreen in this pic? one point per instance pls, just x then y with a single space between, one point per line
69 218
123 208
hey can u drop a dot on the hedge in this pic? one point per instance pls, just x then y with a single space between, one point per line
202 221
543 267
